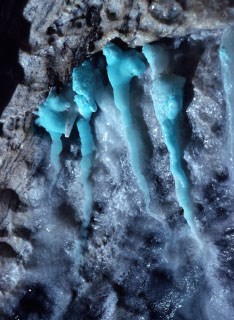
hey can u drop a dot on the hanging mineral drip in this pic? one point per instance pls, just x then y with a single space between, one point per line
83 81
57 116
122 66
167 95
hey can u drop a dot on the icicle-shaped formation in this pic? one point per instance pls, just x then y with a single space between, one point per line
226 54
83 80
122 67
53 115
167 95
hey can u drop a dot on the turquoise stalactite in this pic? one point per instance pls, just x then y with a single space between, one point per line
58 113
167 95
53 113
226 54
122 67
83 83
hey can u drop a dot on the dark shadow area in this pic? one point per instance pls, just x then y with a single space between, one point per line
7 251
14 35
71 145
10 199
23 233
35 304
120 43
186 60
66 213
140 127
3 233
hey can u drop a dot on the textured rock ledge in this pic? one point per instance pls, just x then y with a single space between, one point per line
135 267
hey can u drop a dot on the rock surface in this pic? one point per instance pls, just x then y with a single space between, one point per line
135 266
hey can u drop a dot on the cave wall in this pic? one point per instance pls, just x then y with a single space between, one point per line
134 266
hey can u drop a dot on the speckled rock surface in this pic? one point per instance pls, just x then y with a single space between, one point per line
135 266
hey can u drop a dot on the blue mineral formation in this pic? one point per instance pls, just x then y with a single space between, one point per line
226 54
83 84
58 113
167 96
53 115
122 66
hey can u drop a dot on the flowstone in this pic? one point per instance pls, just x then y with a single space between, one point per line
94 219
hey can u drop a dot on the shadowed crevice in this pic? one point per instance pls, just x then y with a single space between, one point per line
14 35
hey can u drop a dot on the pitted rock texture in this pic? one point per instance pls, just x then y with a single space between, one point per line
135 267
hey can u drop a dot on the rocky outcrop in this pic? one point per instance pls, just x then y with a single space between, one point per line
135 267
